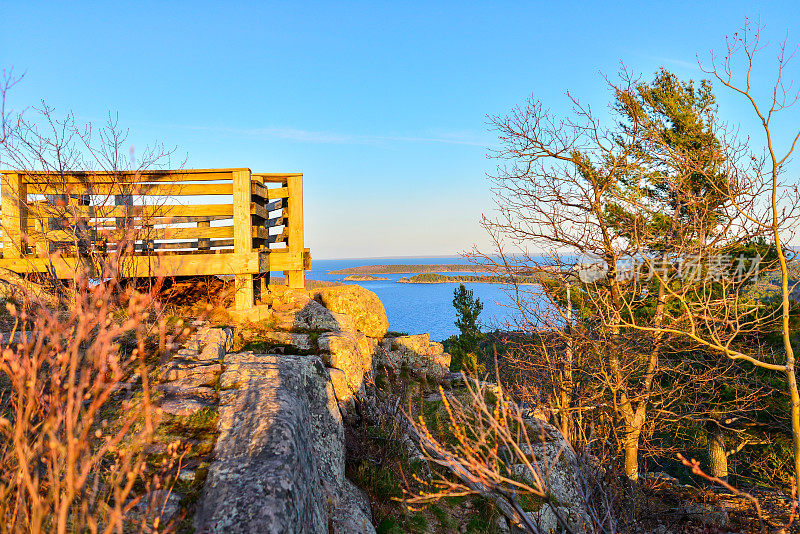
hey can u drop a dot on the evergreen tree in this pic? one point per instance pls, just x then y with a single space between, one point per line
463 348
468 308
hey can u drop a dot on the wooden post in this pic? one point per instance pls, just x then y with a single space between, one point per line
261 286
203 243
14 195
242 236
124 224
42 247
295 278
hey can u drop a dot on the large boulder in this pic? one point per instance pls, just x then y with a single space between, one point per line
418 353
209 343
554 459
315 316
362 305
15 288
350 352
279 458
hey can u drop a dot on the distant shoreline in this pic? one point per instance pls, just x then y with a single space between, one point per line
364 278
411 268
433 278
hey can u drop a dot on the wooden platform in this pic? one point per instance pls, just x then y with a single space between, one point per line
173 223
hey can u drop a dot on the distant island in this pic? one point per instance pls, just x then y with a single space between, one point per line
403 269
364 278
433 278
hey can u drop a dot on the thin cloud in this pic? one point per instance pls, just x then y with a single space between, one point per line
677 62
323 137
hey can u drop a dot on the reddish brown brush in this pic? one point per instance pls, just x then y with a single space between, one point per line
77 416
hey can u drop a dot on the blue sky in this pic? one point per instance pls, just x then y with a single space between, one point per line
382 106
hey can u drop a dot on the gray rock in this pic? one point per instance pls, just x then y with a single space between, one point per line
213 343
362 305
192 374
300 341
186 353
349 351
709 514
279 459
186 474
178 390
315 316
557 466
418 353
183 406
162 503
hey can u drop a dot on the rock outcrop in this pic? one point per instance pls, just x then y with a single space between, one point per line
188 377
280 454
557 467
418 353
315 316
279 459
350 352
362 305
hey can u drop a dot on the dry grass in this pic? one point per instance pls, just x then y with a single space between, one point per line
77 415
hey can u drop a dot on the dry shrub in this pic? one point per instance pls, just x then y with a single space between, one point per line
486 446
77 415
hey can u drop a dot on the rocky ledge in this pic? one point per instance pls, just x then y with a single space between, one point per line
279 460
286 389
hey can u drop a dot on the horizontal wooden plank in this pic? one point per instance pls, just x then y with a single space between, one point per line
278 238
152 210
150 234
278 221
132 189
187 175
212 243
258 210
259 191
274 177
260 233
267 215
282 261
281 192
138 234
182 220
179 245
177 264
150 265
142 222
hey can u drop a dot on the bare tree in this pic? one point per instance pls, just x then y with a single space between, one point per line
84 171
76 411
716 312
7 81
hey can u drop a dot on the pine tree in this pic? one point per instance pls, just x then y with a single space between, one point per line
464 348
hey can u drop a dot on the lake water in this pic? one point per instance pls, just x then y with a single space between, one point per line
420 308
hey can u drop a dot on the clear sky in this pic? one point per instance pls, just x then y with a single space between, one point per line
382 105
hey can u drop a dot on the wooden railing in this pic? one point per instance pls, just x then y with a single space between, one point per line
168 222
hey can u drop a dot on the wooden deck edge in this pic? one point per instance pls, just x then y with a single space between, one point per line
172 265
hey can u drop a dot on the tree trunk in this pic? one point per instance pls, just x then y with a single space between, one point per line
791 380
717 457
566 385
631 446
